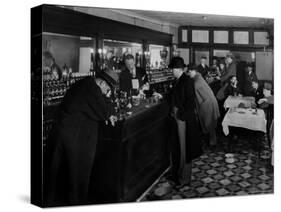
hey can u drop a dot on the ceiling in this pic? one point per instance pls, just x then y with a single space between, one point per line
183 19
177 19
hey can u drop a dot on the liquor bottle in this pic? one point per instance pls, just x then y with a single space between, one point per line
64 72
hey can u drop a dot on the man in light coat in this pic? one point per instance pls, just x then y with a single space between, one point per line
206 103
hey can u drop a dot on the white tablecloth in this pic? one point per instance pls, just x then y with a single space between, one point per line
244 118
234 101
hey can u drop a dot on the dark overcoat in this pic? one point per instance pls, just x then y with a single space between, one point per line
183 98
71 147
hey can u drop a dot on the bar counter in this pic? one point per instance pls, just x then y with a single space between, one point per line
131 155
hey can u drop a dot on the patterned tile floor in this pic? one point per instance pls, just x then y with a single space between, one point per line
212 176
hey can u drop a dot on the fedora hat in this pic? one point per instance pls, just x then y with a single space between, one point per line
109 76
177 62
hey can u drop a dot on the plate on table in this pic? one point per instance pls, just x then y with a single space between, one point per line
240 110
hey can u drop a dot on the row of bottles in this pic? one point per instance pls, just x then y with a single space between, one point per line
159 75
54 88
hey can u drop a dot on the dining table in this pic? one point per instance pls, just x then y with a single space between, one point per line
234 101
251 120
248 118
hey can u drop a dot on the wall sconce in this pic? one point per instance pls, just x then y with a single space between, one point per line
176 53
204 17
124 50
101 58
147 58
253 56
147 53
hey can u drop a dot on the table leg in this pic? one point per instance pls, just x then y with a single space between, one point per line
232 139
258 144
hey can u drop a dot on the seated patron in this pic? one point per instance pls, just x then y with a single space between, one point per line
232 88
250 77
255 91
267 98
266 103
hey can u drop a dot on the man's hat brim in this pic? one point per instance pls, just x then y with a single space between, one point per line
109 76
177 62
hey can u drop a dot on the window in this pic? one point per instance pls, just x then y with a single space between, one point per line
200 36
184 37
241 37
221 53
220 36
261 38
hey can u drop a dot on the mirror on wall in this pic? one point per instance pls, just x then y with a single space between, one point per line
159 56
113 53
74 52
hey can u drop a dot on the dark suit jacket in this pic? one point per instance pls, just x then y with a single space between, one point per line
203 71
258 94
230 90
249 78
125 80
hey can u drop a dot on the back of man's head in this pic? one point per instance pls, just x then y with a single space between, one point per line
129 57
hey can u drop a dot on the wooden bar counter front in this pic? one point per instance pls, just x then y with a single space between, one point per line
131 155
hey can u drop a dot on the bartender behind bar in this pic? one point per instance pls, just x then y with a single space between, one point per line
132 78
72 145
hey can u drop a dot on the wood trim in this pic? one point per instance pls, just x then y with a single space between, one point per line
223 46
211 36
224 28
66 21
230 37
251 37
